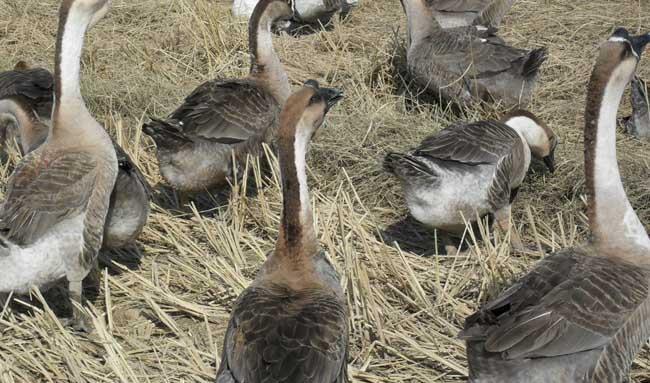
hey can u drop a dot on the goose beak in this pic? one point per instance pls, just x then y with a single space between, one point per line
639 43
331 96
549 161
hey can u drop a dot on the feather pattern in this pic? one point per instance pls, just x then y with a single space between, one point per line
468 64
281 335
570 303
35 85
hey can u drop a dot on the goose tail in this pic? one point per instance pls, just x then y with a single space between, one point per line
165 133
534 61
407 166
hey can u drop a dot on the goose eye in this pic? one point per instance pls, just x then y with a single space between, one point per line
314 99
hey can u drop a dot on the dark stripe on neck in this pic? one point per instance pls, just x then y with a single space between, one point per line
64 11
600 77
291 231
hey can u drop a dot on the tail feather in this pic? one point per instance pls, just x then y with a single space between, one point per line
405 165
165 133
534 61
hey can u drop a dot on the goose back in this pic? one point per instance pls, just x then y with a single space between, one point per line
459 13
35 85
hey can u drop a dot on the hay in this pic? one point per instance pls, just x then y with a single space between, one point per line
161 308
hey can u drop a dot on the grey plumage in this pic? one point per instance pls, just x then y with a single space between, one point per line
457 13
467 64
638 124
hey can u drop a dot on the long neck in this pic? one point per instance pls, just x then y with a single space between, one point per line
420 20
73 24
297 238
265 64
614 224
29 129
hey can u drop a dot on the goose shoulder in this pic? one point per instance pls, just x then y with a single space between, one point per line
571 302
288 333
48 187
227 112
36 85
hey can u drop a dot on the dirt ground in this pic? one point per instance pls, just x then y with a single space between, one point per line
161 307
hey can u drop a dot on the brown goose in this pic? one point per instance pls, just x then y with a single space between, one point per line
57 199
291 324
468 64
223 116
581 314
638 124
26 106
463 13
471 169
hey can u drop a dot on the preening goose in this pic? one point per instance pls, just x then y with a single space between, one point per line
26 108
471 169
463 13
196 141
581 314
468 64
306 11
35 85
291 324
57 199
638 124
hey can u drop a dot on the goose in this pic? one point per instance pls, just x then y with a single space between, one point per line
581 314
291 323
52 219
467 65
35 85
26 107
638 124
305 11
471 169
463 13
195 143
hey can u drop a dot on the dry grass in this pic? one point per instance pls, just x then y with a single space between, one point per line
161 308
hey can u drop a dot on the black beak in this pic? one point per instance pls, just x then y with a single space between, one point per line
639 43
331 96
549 161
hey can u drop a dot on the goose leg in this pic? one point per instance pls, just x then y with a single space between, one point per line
503 219
78 321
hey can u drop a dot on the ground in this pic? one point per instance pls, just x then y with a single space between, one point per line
161 307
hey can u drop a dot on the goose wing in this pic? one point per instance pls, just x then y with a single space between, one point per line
227 112
45 189
570 302
471 56
483 142
36 85
458 5
278 335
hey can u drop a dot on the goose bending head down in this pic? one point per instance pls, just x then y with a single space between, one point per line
291 324
580 315
58 196
196 143
471 169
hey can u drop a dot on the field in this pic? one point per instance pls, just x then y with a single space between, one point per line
161 307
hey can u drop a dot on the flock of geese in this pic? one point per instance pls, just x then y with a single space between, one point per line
580 314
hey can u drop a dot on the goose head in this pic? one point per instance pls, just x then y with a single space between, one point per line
96 9
541 140
306 109
273 13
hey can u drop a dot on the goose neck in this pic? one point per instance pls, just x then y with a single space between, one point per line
73 24
297 237
23 119
614 224
265 63
420 21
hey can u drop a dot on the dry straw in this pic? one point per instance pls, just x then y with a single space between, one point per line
161 307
